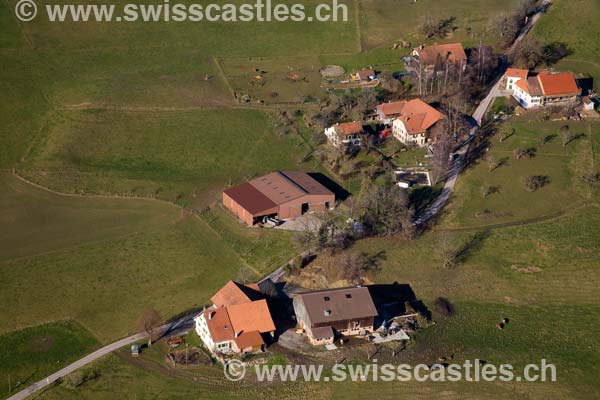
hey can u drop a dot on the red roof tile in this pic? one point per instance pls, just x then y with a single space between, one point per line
235 293
254 316
517 73
391 109
249 339
558 84
418 116
349 128
219 325
454 51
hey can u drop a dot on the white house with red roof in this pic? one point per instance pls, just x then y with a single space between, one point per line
414 122
237 321
533 89
347 133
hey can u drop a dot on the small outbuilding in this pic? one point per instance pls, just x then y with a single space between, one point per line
364 75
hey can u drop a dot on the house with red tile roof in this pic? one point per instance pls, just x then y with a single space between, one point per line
238 321
415 121
533 89
512 75
345 134
428 55
387 112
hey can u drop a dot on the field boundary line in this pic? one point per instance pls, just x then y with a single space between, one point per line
152 109
16 174
357 25
244 262
224 77
528 221
21 27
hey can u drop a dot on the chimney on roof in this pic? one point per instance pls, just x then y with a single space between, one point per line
327 313
210 315
237 334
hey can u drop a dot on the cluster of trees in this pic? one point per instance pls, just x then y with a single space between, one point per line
447 77
534 182
448 135
437 29
381 209
508 25
531 52
343 106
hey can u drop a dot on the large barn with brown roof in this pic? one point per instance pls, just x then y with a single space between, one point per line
281 195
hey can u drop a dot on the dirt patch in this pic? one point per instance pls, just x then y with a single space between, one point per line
542 248
332 71
527 270
41 344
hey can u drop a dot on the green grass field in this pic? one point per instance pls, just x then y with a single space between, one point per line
169 155
564 166
386 21
102 261
574 23
146 110
552 312
29 355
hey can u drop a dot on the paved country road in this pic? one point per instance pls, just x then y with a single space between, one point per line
181 324
477 115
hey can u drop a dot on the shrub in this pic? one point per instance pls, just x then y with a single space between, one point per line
78 378
534 182
443 306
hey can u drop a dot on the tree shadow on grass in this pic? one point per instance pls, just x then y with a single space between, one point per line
473 244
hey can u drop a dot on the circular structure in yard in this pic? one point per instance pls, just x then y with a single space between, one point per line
332 71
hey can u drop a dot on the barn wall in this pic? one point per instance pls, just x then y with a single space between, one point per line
237 209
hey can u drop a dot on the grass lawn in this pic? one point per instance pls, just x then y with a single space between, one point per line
563 165
260 247
552 311
282 79
101 261
381 58
574 23
180 156
33 353
386 21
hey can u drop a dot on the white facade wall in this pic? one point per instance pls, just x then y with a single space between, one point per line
400 133
202 331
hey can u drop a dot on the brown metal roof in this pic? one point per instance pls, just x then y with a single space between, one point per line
338 305
534 87
277 187
324 332
269 191
249 197
307 183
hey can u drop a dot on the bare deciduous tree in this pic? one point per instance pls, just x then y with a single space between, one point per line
149 322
